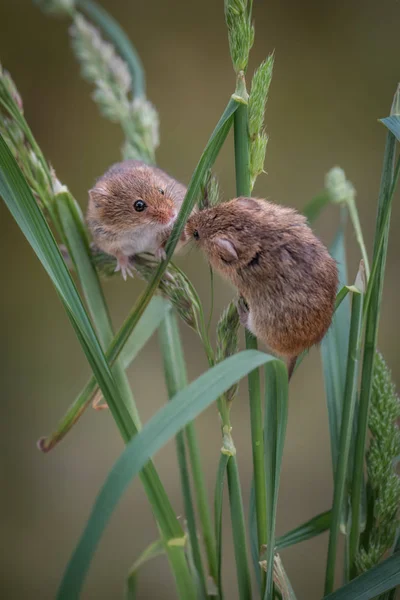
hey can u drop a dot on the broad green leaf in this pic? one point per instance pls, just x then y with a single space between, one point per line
180 411
308 530
393 124
377 580
152 551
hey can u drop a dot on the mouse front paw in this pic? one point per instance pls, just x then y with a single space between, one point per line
123 266
160 253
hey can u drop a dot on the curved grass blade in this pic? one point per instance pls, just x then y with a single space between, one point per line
152 551
119 40
148 324
307 531
180 411
371 584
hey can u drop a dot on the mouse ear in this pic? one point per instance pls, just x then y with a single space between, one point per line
248 203
226 249
98 194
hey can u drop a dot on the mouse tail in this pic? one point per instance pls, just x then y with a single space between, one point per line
291 363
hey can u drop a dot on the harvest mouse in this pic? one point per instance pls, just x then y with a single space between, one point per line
285 275
132 209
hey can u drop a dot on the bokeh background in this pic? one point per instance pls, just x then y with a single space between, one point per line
336 69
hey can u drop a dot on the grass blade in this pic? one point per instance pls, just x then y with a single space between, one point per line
334 349
150 321
374 293
119 40
275 420
393 124
307 531
346 431
377 580
176 380
180 411
238 529
218 502
152 551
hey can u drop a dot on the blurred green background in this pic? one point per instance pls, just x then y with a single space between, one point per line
337 65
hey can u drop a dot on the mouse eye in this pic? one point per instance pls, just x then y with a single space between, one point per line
196 234
139 205
161 191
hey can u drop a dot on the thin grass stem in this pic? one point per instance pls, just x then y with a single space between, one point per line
372 321
346 430
238 530
243 188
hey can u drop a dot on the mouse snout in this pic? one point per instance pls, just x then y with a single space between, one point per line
167 216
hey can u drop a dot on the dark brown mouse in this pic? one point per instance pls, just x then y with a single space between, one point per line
282 270
132 209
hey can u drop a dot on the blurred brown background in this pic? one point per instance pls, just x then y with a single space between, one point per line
336 69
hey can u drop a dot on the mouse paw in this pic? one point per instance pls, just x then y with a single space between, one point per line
243 311
123 266
160 253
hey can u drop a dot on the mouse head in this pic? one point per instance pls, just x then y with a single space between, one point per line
226 233
134 198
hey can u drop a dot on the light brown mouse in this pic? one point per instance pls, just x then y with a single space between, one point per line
282 270
132 209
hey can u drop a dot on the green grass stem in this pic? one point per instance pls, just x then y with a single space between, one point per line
374 291
243 188
238 530
346 431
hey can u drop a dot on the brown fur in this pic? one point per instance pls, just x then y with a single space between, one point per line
111 215
281 269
